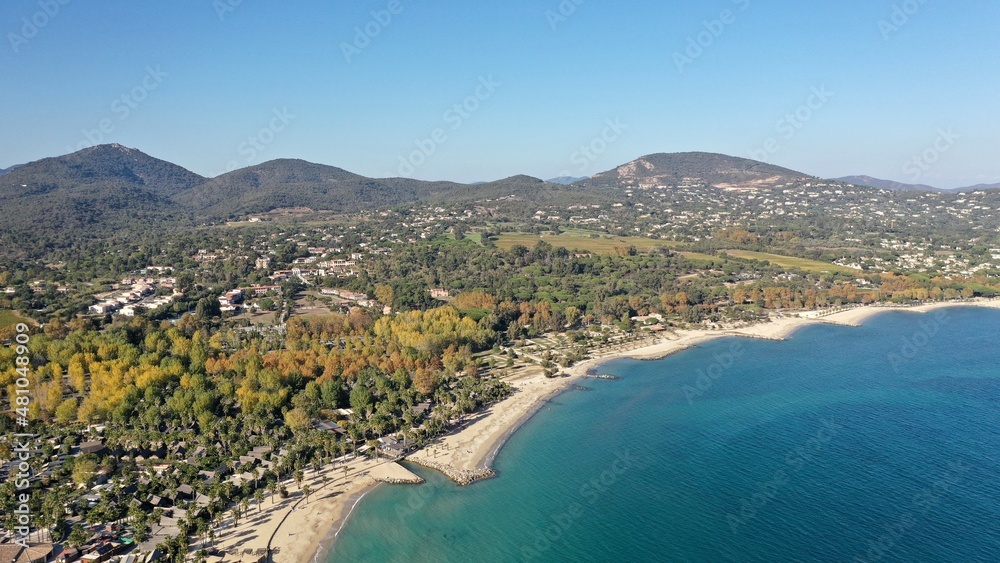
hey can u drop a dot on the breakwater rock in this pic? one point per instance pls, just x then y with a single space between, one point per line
460 476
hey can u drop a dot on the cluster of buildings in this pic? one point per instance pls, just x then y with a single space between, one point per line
232 300
11 552
354 299
136 297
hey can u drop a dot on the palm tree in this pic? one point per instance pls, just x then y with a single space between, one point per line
272 486
306 490
259 497
202 530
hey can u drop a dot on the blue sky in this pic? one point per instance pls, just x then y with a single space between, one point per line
904 90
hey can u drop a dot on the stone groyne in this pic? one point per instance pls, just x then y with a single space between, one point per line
460 476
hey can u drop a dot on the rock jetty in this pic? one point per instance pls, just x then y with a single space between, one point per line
462 477
396 474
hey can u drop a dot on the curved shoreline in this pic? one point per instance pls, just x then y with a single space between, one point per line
488 447
487 461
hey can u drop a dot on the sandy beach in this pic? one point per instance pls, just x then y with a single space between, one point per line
297 528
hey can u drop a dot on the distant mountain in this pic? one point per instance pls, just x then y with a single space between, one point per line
717 170
114 191
566 180
885 184
297 183
525 189
88 194
978 187
6 170
108 163
901 187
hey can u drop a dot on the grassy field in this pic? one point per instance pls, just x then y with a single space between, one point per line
311 303
791 262
699 257
600 245
8 318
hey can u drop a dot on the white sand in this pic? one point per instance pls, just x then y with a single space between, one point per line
299 530
299 526
475 444
394 473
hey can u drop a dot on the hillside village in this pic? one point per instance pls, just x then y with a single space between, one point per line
188 378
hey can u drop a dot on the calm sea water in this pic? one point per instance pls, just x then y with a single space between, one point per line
878 443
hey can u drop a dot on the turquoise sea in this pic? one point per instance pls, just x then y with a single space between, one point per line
871 443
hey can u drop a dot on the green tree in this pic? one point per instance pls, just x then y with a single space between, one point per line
361 399
78 536
84 469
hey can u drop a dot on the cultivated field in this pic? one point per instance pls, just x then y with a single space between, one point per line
791 262
597 245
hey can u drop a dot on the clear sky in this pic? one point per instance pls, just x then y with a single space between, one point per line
211 85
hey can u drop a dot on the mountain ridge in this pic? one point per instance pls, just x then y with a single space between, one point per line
862 180
116 189
714 169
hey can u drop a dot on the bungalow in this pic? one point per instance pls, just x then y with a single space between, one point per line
345 294
261 289
249 459
199 453
99 554
130 310
37 553
330 426
103 308
95 447
69 556
184 492
420 408
158 502
391 446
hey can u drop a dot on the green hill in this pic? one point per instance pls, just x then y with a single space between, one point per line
297 183
89 194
